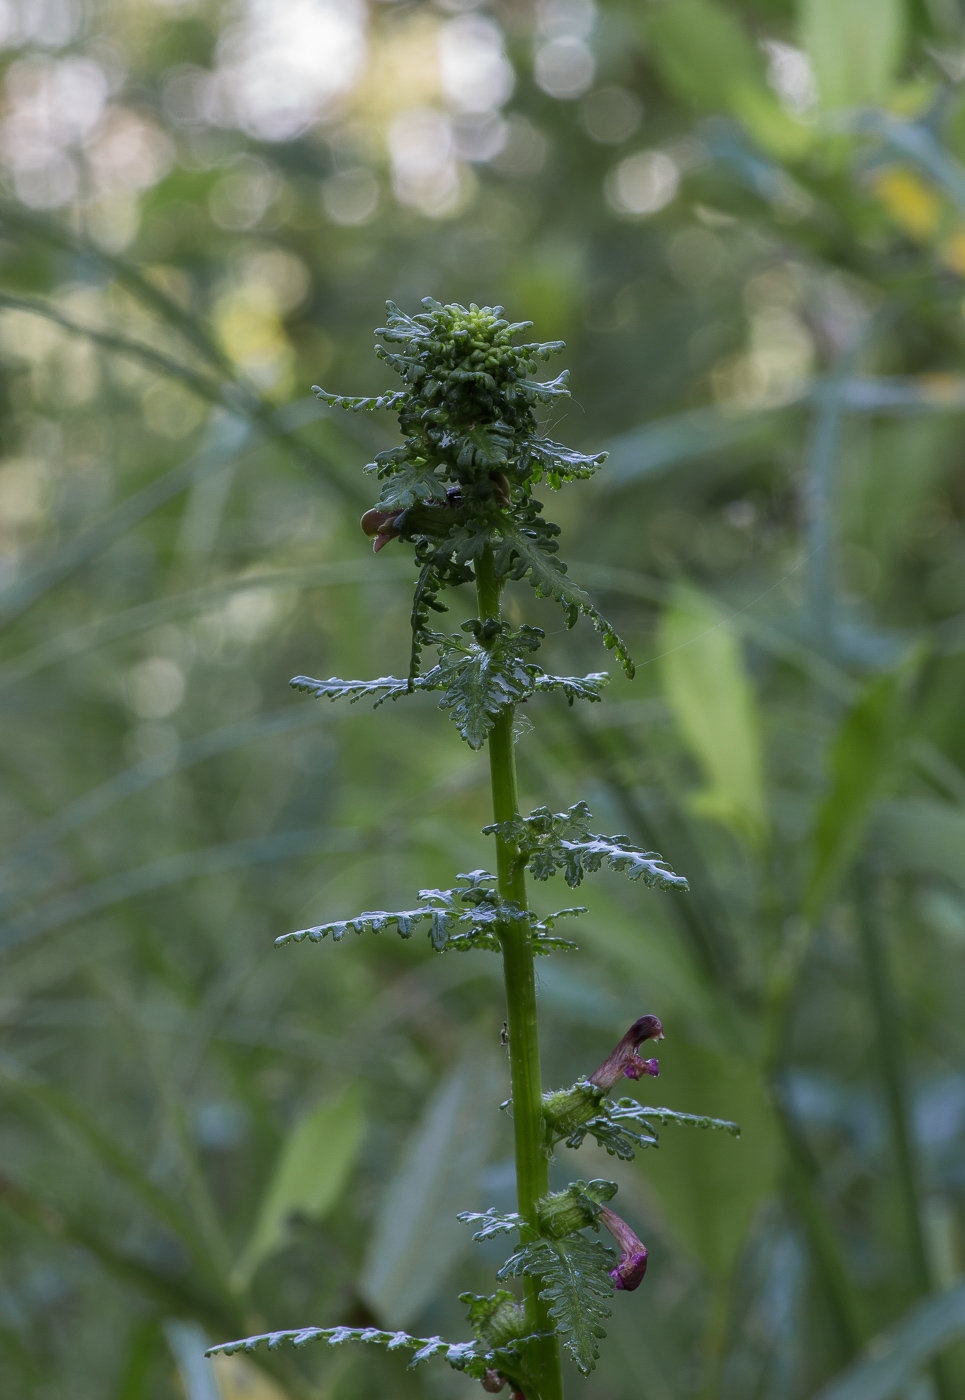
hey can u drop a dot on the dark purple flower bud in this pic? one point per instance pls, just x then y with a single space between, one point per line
624 1061
632 1264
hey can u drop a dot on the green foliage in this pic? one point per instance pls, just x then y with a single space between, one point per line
732 272
548 841
462 481
574 1280
712 701
450 927
860 759
416 1238
622 1126
309 1176
479 677
461 1356
856 48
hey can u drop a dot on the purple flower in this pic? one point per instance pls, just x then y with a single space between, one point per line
494 1381
624 1060
381 524
632 1264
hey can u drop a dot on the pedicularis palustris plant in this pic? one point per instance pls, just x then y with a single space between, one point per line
460 490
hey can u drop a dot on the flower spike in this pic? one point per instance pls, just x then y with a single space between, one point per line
624 1060
632 1264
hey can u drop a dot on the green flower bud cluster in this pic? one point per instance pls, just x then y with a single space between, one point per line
566 1110
564 1212
461 483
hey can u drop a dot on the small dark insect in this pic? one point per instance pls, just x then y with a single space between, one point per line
504 1034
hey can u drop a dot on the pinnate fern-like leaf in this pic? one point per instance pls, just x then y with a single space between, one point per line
479 676
461 1356
528 552
381 689
622 1127
361 405
670 1115
491 1222
463 918
551 841
575 1283
540 457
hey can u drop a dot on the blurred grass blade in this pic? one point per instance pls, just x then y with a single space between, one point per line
859 763
188 1344
309 1176
234 855
143 1343
855 47
710 696
176 1294
900 1354
227 436
132 620
109 1153
152 770
653 447
417 1238
15 216
205 388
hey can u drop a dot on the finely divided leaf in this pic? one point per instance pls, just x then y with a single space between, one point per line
466 917
551 841
575 1282
391 400
547 574
412 483
573 687
461 1356
577 858
492 1222
670 1115
557 462
382 689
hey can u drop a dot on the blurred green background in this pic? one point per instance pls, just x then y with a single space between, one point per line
748 222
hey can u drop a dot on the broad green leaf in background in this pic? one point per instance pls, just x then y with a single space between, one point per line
923 836
704 56
310 1174
899 1355
417 1238
714 706
855 47
860 758
710 1188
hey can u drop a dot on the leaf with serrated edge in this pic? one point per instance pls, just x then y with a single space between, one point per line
575 1282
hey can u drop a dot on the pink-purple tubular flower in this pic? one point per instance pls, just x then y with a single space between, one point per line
624 1060
632 1264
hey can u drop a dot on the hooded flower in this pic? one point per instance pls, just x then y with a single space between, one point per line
382 525
632 1264
624 1060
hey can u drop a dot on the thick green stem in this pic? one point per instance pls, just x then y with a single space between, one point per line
532 1166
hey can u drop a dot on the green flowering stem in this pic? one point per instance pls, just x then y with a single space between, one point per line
532 1166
